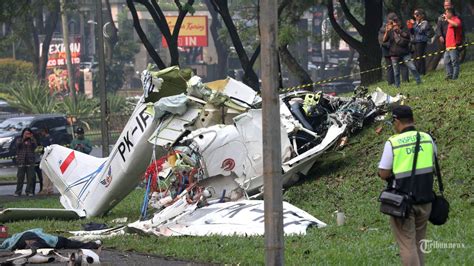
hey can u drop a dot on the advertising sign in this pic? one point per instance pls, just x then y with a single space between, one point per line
57 52
56 69
193 32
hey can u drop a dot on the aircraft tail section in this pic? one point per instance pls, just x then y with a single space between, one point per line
96 185
72 173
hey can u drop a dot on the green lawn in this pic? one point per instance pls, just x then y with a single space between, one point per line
7 178
342 181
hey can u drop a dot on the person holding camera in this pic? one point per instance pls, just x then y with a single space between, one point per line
399 40
80 143
396 167
453 39
421 32
385 46
25 159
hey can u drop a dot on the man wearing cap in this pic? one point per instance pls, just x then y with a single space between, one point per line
80 143
395 167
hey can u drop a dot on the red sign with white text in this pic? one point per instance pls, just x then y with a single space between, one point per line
193 32
57 52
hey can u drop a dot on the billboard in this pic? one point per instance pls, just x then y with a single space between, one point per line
56 69
57 52
193 32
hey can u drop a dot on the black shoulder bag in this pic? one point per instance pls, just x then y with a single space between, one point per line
440 206
398 203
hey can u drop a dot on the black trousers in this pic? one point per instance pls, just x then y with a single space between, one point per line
420 64
29 171
389 73
72 244
39 174
31 240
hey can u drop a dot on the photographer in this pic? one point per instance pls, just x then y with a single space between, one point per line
399 40
25 159
453 39
385 46
421 32
80 143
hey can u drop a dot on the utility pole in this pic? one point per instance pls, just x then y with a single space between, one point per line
72 88
272 177
103 94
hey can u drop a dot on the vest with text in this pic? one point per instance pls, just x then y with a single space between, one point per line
403 148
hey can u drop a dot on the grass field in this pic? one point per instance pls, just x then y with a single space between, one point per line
11 178
344 181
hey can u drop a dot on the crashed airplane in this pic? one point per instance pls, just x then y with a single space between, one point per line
198 148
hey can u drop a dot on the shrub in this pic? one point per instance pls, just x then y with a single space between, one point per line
31 96
12 70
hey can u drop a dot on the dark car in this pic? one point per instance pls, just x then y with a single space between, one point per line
11 128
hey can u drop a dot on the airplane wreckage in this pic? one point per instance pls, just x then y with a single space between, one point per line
198 148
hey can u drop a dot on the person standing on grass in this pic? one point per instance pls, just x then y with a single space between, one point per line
25 159
453 39
80 143
421 32
399 40
46 187
395 167
385 47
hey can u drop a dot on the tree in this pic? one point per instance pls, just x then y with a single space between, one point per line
250 77
28 19
289 33
368 48
160 20
222 52
122 54
111 37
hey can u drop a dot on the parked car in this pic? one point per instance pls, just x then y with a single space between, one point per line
11 128
6 110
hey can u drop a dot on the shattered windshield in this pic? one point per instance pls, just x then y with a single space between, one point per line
15 124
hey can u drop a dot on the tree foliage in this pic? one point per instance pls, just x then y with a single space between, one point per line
368 47
27 20
123 54
171 36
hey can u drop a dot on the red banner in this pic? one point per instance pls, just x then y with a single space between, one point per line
193 31
57 52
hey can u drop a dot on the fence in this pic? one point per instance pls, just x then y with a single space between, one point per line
92 126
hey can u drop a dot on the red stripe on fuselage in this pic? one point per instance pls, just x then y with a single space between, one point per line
67 162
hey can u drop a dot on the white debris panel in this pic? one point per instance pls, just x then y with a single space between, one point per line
242 218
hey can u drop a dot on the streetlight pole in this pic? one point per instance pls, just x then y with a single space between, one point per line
67 49
103 93
272 177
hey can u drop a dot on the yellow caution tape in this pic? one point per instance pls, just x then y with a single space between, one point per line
285 90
